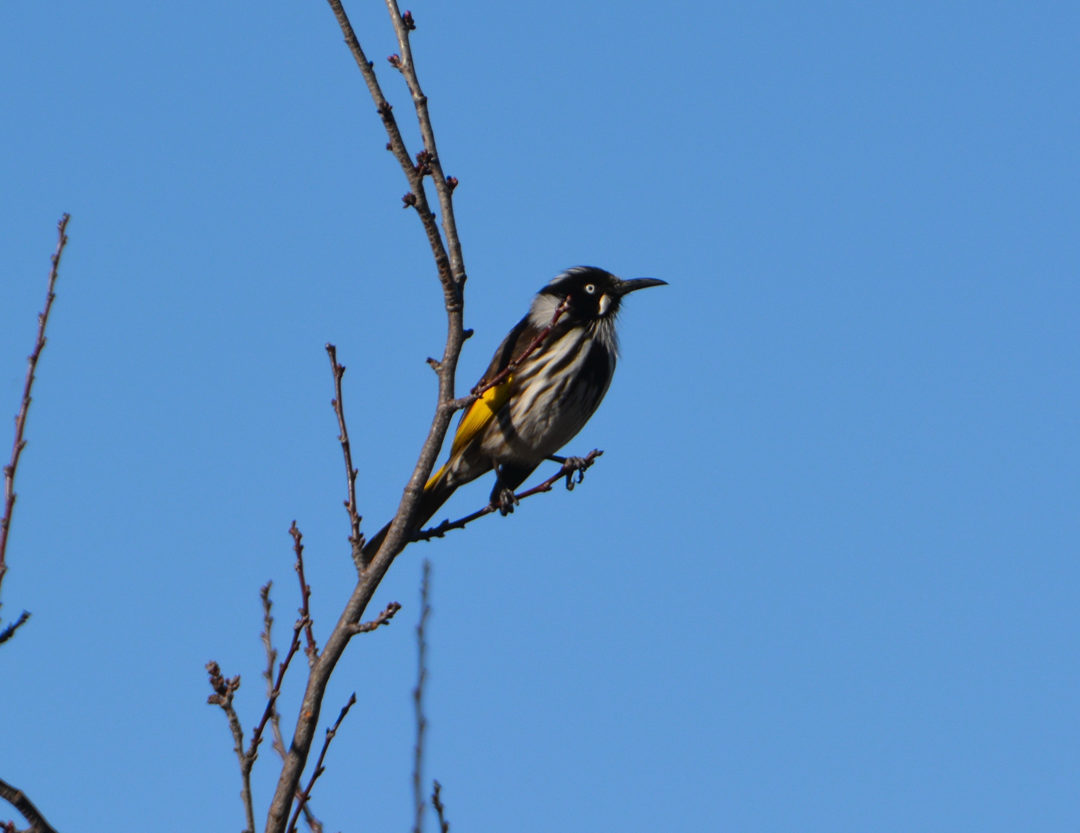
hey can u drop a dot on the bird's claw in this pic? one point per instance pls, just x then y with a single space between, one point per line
575 471
506 501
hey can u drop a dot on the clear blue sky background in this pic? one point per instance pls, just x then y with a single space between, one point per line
824 578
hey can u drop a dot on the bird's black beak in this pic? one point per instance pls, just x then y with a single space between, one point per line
634 284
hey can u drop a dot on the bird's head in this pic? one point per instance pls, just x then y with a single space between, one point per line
591 295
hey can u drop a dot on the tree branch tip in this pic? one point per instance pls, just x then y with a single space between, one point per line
440 808
382 619
223 686
9 631
435 364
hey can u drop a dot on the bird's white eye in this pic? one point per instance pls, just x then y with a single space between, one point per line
590 288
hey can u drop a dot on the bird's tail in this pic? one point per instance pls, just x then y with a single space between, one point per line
436 492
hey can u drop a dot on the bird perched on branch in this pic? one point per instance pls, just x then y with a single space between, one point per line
545 381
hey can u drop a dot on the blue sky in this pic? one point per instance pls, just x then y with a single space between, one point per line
824 577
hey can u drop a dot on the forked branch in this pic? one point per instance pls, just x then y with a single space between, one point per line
451 271
225 688
304 797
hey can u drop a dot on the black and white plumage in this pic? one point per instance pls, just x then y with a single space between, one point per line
549 395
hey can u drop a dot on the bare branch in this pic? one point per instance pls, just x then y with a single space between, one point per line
275 717
19 800
356 539
450 264
451 270
271 700
396 145
382 619
440 808
224 689
418 700
9 631
302 799
18 444
312 649
271 658
402 27
573 469
314 825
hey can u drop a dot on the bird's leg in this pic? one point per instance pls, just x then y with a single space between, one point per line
502 496
573 466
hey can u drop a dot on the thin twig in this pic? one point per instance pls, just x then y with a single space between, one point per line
440 808
9 631
573 469
275 718
302 799
486 384
314 825
396 145
418 700
312 649
18 444
275 692
444 186
21 802
356 539
380 620
224 689
271 658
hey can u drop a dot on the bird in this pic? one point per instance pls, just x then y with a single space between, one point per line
545 381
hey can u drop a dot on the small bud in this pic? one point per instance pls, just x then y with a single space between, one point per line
409 200
395 60
407 19
451 182
384 108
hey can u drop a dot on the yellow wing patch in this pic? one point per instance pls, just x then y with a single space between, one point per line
479 415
